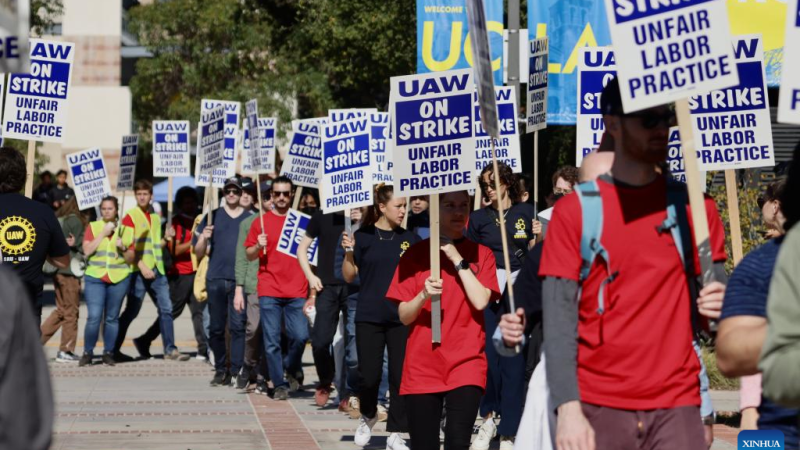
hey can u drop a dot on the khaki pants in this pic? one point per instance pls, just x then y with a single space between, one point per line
65 316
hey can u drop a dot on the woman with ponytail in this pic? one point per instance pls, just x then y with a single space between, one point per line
372 254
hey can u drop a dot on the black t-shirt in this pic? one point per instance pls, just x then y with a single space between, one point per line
222 265
59 193
29 233
484 228
420 224
327 228
377 254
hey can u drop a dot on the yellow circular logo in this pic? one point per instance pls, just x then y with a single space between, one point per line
17 235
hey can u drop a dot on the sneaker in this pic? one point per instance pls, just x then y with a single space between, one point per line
281 393
108 359
219 379
507 442
364 430
123 358
67 357
243 378
175 355
262 388
486 433
383 413
344 406
322 395
295 383
355 407
395 442
142 348
86 360
201 357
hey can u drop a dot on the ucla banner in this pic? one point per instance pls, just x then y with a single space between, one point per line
443 41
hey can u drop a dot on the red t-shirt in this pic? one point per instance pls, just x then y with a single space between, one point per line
279 275
127 221
88 236
460 360
638 355
181 264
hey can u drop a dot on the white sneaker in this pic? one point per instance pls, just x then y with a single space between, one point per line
383 413
486 433
364 430
507 442
395 442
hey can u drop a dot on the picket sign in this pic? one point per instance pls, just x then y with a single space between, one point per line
303 164
210 150
127 167
89 176
347 170
506 143
227 169
380 151
292 233
339 115
538 60
596 67
254 139
789 97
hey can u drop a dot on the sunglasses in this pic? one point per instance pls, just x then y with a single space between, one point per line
652 120
237 192
286 194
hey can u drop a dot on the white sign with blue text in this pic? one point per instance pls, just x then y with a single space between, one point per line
433 132
381 157
293 232
14 32
596 67
266 140
228 168
89 177
127 162
789 99
210 143
675 161
303 163
347 173
732 128
537 85
37 102
251 154
507 143
669 50
338 115
171 153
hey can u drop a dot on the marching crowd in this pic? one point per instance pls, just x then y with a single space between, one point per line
601 352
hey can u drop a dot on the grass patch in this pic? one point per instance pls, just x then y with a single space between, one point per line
716 379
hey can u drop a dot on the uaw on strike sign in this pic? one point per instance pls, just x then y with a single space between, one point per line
596 67
171 156
228 168
36 105
507 143
88 172
304 160
669 50
433 132
347 174
789 100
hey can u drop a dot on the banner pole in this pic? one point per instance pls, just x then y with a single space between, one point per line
732 190
348 223
120 215
536 167
261 212
213 196
436 271
169 202
29 169
297 194
405 218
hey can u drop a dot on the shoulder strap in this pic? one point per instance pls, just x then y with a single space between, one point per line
677 222
592 226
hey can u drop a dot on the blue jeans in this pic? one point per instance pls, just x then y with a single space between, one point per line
158 288
220 308
291 311
102 296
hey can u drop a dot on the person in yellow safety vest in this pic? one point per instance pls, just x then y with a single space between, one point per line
148 275
106 280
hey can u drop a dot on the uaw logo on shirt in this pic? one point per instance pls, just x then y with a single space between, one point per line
17 237
520 226
404 246
772 439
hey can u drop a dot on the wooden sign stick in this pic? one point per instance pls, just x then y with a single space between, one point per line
732 190
169 202
29 168
436 271
260 207
297 194
478 193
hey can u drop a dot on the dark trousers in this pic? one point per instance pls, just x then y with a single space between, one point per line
330 302
181 291
660 429
505 382
425 413
220 308
371 340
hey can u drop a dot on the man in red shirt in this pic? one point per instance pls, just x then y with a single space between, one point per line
282 290
625 375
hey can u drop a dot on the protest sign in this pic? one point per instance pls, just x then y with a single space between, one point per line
537 85
293 231
338 115
266 141
251 145
347 174
14 32
228 167
303 163
381 157
479 37
432 132
211 141
89 177
789 98
171 153
37 102
127 162
596 67
507 144
667 51
732 126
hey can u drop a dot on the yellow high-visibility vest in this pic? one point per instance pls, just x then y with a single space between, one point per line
107 259
147 238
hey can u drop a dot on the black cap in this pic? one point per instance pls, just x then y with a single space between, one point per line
248 185
233 181
611 99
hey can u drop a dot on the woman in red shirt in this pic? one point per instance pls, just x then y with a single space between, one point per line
451 374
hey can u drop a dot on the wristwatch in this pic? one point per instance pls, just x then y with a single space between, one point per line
463 265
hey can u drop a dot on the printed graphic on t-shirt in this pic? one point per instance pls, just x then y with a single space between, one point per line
17 238
404 246
520 227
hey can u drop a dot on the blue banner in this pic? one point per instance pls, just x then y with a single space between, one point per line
442 41
569 25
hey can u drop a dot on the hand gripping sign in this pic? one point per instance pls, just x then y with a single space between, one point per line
171 153
536 113
303 163
506 144
596 67
228 168
127 162
347 174
380 156
789 100
89 177
667 51
293 231
732 127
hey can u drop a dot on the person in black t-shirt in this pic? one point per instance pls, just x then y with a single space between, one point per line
61 192
42 192
373 253
29 230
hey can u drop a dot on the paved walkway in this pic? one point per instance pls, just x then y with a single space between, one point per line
165 405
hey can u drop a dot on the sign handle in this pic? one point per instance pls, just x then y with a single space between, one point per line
213 196
29 167
405 218
348 222
120 215
260 205
536 167
169 202
297 194
733 214
696 199
436 271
